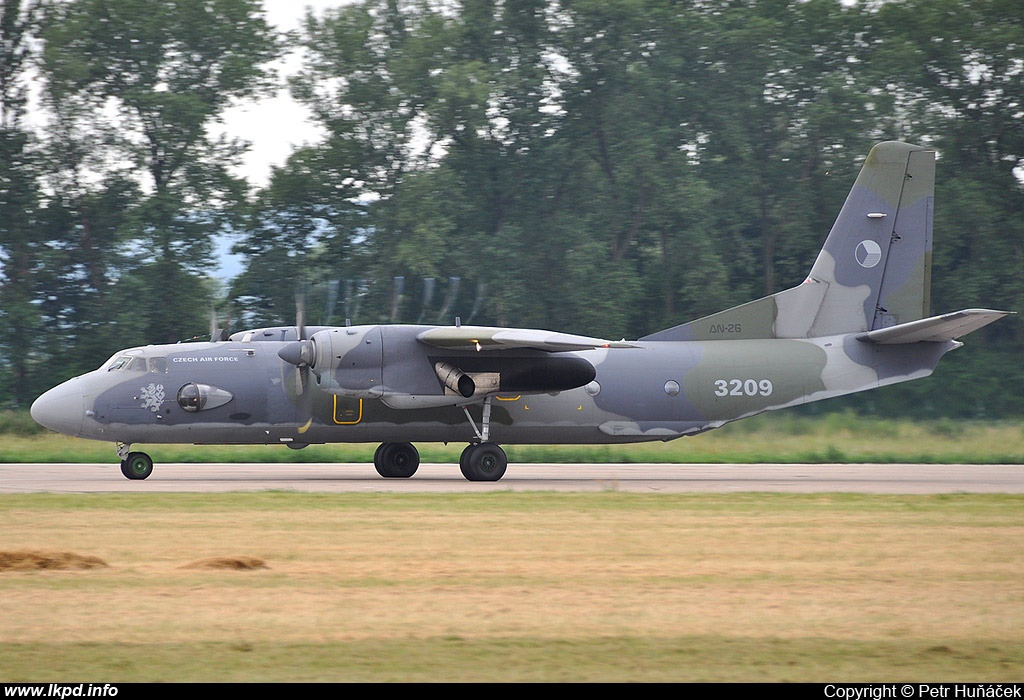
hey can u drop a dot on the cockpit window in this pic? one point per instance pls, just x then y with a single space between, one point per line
127 363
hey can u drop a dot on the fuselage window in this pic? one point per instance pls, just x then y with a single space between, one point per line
198 397
190 398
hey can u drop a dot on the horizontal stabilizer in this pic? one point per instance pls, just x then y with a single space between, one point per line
481 338
935 329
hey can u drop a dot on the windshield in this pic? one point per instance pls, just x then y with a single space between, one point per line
127 363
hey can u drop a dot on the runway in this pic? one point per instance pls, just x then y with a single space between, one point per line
446 478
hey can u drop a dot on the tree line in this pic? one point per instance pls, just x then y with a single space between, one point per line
604 167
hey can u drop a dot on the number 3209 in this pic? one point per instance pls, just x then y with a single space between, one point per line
743 387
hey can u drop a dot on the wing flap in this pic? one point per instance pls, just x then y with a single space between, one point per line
935 329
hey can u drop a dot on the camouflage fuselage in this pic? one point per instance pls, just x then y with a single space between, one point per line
243 393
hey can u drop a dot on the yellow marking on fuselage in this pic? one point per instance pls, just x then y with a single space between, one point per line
359 415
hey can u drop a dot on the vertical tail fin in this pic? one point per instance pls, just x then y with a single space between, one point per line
880 246
874 270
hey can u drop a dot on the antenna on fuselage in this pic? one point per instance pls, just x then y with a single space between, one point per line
217 334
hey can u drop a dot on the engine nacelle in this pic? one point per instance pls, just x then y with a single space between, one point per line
355 361
348 361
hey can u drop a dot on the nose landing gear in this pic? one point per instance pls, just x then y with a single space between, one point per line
134 465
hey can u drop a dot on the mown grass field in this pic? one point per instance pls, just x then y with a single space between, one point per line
506 586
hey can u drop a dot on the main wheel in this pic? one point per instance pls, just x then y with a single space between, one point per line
396 460
483 462
138 465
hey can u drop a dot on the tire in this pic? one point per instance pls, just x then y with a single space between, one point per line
396 460
483 462
137 466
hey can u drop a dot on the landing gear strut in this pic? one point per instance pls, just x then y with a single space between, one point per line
134 465
483 460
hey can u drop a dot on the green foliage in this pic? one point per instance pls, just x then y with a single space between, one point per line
608 168
19 424
144 186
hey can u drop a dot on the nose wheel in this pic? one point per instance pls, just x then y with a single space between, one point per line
134 465
139 465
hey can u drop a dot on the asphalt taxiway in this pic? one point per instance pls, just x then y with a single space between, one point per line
442 478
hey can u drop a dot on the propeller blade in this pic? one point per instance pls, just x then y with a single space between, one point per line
300 315
300 354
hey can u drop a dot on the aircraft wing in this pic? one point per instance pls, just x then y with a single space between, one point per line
935 329
483 338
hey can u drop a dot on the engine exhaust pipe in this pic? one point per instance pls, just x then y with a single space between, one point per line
455 379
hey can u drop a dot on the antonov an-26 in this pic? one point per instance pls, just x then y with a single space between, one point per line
858 321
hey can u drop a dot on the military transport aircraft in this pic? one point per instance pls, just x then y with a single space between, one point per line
860 320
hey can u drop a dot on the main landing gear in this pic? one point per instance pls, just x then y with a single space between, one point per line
134 465
396 460
482 460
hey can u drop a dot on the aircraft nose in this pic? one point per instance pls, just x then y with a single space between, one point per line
61 409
